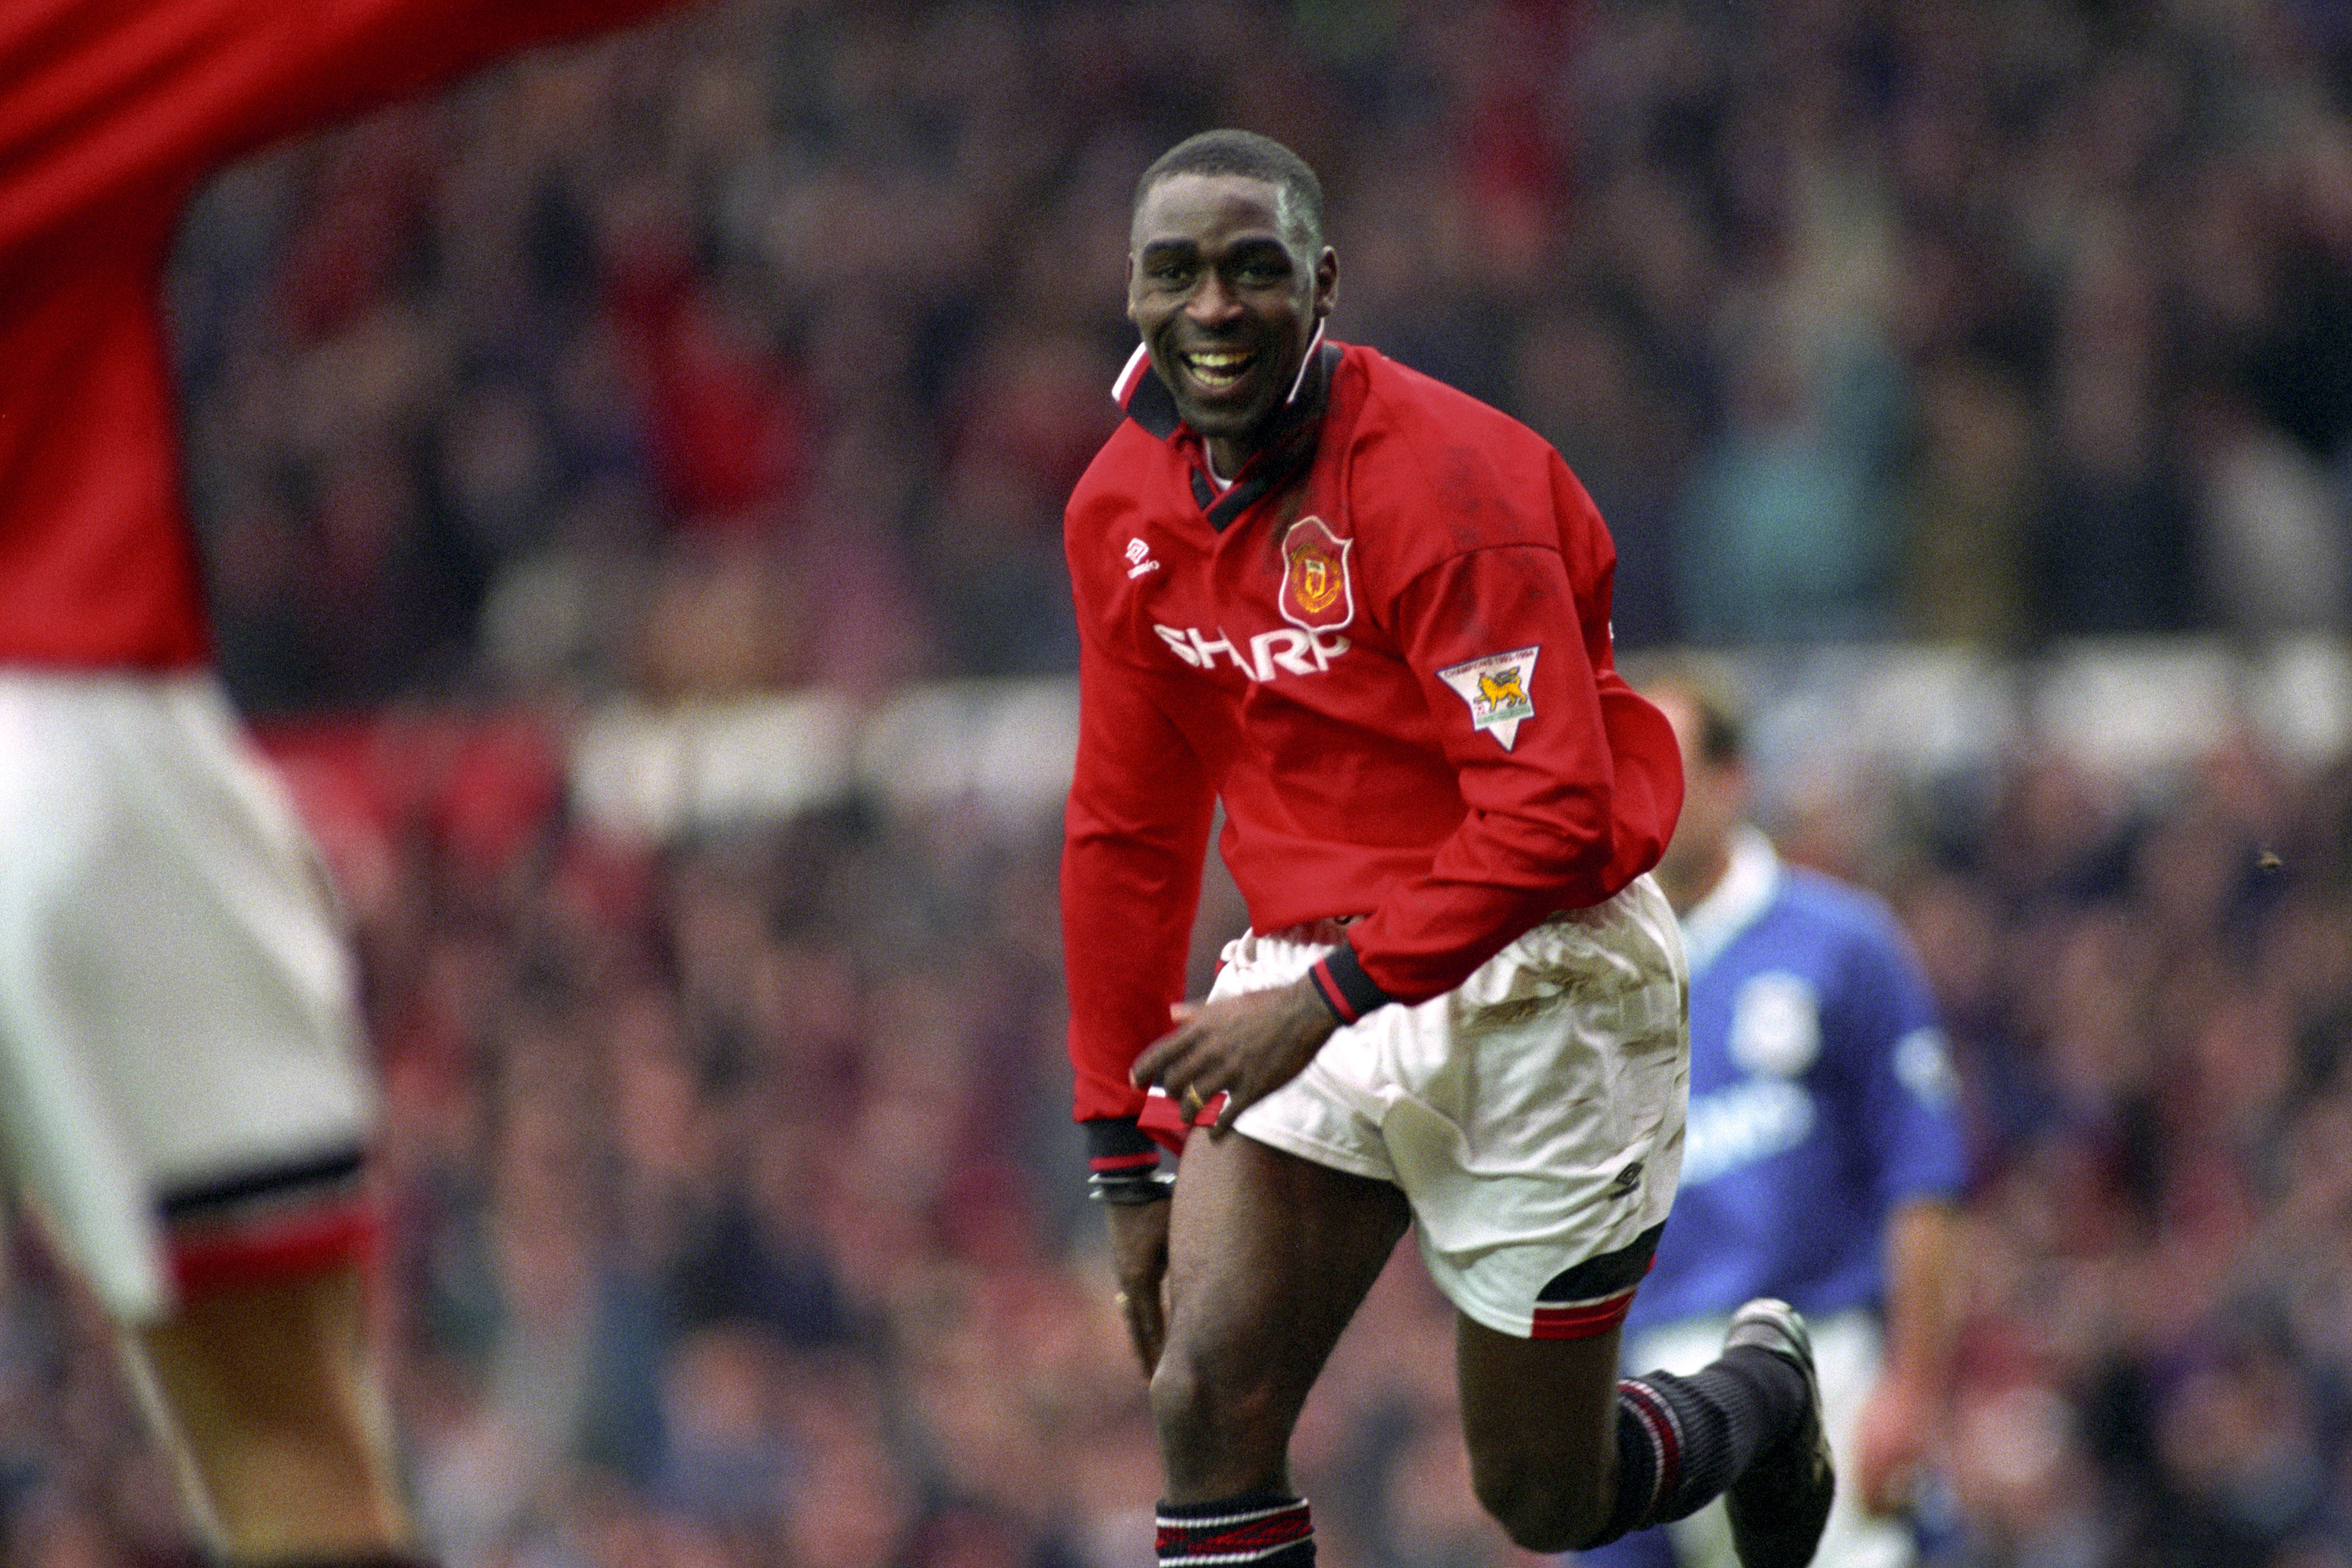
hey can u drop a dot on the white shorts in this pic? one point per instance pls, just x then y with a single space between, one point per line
176 1010
1533 1115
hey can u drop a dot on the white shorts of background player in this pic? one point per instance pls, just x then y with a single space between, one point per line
176 1002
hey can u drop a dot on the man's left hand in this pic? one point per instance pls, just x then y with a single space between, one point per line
1244 1047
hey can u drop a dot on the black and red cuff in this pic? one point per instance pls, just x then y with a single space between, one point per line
1345 988
1123 1162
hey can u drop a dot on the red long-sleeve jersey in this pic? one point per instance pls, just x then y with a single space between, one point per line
1385 648
111 112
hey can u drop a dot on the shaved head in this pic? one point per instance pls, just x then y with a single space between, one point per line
1252 156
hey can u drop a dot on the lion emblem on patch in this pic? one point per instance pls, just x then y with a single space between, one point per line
1316 592
1496 688
1508 689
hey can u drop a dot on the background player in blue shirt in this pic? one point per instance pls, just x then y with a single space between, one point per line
1824 1151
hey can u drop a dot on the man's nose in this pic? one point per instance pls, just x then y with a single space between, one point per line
1213 302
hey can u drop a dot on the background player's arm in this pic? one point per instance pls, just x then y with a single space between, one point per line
1910 1116
1923 1312
330 61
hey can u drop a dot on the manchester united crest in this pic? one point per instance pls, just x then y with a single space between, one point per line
1316 592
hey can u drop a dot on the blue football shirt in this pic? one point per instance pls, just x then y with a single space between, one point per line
1822 1097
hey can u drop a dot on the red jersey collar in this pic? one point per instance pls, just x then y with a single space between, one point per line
1146 400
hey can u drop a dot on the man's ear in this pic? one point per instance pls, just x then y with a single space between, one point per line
1327 282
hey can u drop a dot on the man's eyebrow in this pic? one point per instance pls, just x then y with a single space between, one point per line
1249 246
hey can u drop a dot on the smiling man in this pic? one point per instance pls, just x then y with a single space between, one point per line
1370 616
1229 287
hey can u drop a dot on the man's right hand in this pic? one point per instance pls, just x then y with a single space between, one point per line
1139 1252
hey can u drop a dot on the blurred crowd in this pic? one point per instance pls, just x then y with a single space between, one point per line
737 1223
2148 982
761 346
736 1219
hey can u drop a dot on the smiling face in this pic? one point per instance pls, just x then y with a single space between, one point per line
1227 289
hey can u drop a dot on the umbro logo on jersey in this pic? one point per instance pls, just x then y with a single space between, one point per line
1139 558
1495 687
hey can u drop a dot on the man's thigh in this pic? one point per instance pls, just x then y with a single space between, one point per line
1268 1254
1540 1417
1268 1257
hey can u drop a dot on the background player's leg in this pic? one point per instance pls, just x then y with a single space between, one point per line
1269 1256
280 1420
184 1100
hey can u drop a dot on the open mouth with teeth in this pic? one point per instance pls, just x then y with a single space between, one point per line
1218 370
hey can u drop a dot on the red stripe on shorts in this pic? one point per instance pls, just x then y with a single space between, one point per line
1583 1320
231 1258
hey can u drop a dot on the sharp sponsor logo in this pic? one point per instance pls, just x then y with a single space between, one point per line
1268 656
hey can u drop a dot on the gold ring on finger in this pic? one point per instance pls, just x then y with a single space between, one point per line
1192 1103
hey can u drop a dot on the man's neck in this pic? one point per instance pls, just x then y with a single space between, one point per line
1686 884
1734 898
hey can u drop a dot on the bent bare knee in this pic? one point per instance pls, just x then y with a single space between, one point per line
1209 1396
1541 1508
1221 1427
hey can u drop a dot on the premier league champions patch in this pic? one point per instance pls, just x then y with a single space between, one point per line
1316 592
1495 687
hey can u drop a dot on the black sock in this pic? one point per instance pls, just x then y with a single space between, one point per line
1259 1529
1682 1440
